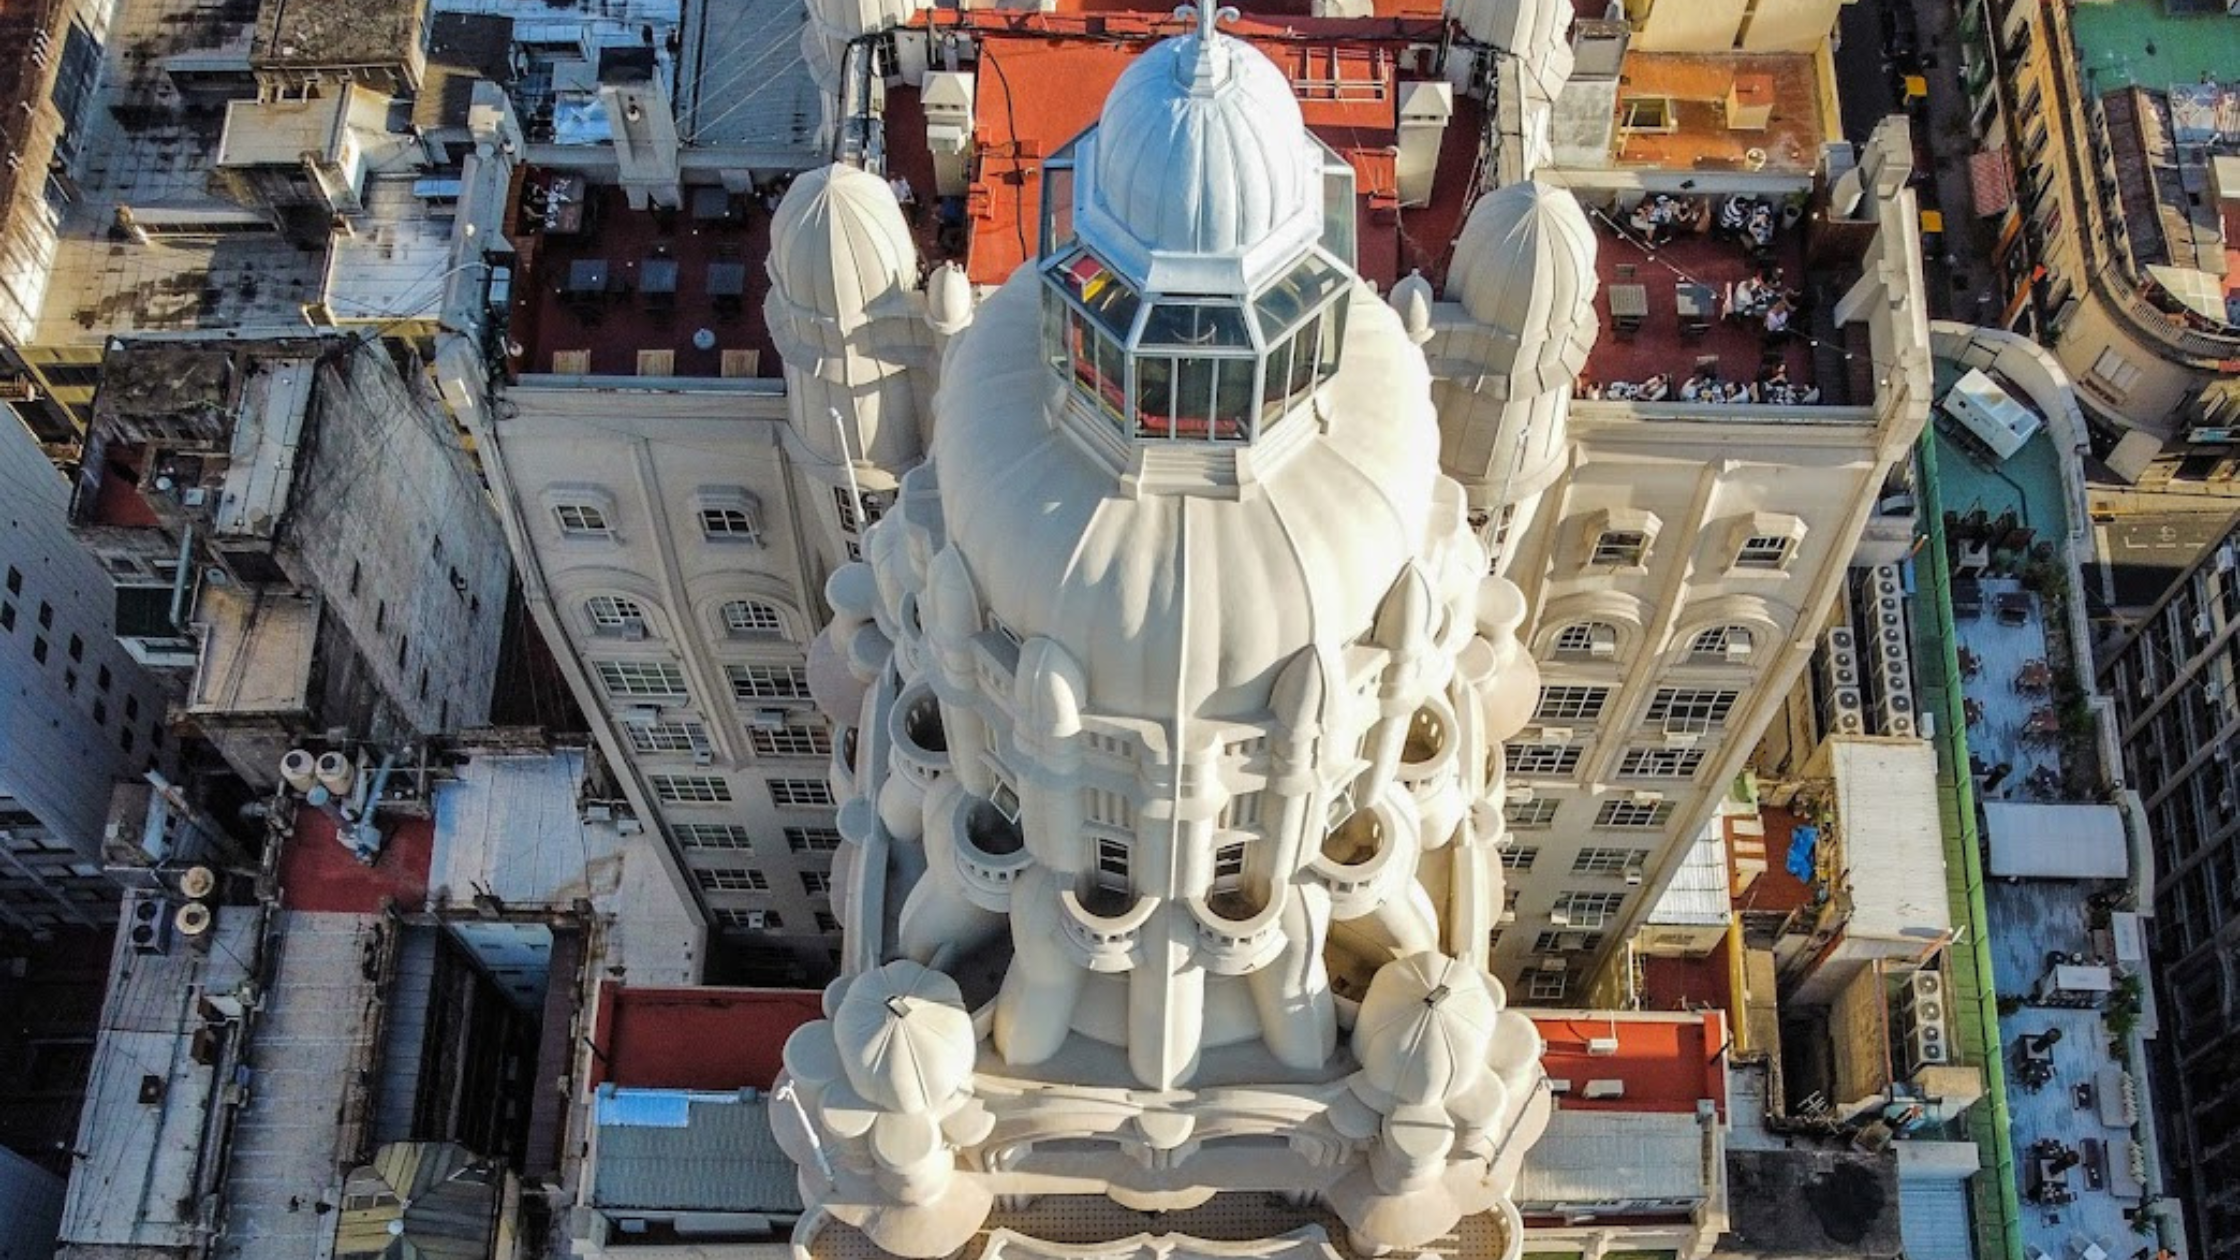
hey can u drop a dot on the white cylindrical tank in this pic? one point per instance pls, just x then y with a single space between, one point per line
336 773
299 770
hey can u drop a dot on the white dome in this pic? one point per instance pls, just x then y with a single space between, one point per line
1425 1028
839 249
1525 260
1201 150
1178 604
905 1039
863 17
1532 29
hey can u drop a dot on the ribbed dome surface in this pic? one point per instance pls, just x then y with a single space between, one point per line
1425 1027
1182 604
1530 28
1525 262
839 249
905 1039
1202 150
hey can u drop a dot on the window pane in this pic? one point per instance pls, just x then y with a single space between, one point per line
1102 293
1154 396
1194 398
1232 399
1187 325
1294 297
1275 387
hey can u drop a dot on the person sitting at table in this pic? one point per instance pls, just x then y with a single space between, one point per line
1733 214
1777 317
1761 226
1657 388
1623 391
1695 388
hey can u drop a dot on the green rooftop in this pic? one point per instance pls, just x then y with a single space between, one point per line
2138 43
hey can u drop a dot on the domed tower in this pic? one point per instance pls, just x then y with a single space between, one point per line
1181 684
1506 349
853 332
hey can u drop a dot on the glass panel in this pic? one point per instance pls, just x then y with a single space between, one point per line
1338 210
1057 208
1290 299
1174 324
1054 312
1154 396
1110 385
1304 345
1101 292
1193 411
1333 336
1275 384
1232 399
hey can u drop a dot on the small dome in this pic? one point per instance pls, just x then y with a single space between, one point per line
1412 299
904 1037
1525 263
839 249
948 299
1201 149
1425 1027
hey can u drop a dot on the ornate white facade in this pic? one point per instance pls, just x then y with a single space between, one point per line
1175 683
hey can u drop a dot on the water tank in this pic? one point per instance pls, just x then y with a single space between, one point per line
298 769
336 774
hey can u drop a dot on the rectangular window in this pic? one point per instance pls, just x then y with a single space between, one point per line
728 523
102 680
1541 759
641 678
729 836
749 920
580 519
1620 548
753 618
1566 942
791 741
1660 763
1765 551
77 648
1547 986
1588 909
1622 812
691 789
1694 708
1608 861
768 682
8 617
614 612
15 581
1112 862
1534 815
46 615
801 793
1228 865
1519 857
1110 809
39 649
1571 704
717 879
826 923
812 839
857 511
667 737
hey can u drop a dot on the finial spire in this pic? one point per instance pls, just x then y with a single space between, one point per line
1211 64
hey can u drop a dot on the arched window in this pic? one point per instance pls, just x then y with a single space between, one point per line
615 614
1720 644
753 619
1586 640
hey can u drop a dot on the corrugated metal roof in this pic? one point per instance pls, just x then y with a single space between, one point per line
722 1159
1698 894
1933 1215
1605 1156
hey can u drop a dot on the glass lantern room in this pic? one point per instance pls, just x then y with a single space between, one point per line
1193 367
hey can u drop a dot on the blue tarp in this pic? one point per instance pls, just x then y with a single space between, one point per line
1801 845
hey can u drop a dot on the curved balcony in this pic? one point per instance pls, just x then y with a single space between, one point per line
1357 863
1239 930
1106 941
1430 746
841 774
914 729
990 853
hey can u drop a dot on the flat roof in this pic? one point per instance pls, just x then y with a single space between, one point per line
256 650
2033 840
1813 1201
1667 1061
137 1185
317 872
1599 1157
330 33
1893 839
696 1039
1698 136
676 1150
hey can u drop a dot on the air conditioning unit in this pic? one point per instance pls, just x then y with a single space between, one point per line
1927 1047
1603 646
641 714
633 630
1602 1047
1647 797
1926 986
1633 877
703 756
768 720
1554 962
1560 917
1520 793
1555 735
1680 737
1572 942
1508 914
1849 723
1607 1088
1896 714
150 930
1838 642
1738 652
1559 1085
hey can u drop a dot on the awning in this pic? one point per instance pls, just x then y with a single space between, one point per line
2041 841
1991 182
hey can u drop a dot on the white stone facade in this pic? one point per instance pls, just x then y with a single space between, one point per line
1177 681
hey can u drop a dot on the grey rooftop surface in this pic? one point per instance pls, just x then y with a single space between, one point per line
667 1149
1813 1201
312 33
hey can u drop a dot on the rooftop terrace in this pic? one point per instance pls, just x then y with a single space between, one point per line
604 290
2125 43
1668 1061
